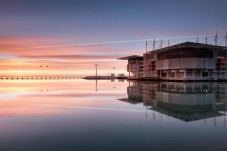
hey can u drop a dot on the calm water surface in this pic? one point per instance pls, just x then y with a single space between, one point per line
111 115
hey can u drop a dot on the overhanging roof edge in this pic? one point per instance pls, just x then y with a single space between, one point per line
130 57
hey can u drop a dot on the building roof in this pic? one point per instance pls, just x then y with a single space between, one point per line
131 57
189 45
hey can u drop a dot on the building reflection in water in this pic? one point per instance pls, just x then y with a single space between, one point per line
183 101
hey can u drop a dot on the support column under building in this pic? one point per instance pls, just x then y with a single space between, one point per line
209 73
201 74
184 74
193 74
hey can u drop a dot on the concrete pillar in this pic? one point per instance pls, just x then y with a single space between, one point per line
184 74
155 103
193 74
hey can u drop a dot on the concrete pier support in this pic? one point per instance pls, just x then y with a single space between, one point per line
201 75
193 74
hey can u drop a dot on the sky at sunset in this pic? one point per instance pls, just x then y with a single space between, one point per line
69 36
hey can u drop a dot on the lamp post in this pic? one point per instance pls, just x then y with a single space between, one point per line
96 72
114 71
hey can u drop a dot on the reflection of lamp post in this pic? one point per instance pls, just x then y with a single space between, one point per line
96 85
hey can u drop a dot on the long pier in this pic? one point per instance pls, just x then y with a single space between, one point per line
39 77
104 77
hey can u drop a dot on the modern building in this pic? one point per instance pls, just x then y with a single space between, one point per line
184 61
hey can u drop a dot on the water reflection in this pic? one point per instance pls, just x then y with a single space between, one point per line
183 101
72 115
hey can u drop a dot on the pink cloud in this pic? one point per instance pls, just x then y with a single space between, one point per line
61 60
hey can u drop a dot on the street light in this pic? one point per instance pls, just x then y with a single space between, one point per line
114 72
96 72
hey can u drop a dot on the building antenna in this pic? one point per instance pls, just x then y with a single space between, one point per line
146 59
206 39
168 42
226 39
146 46
216 39
197 39
161 42
154 44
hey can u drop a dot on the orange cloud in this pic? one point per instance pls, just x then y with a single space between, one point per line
60 60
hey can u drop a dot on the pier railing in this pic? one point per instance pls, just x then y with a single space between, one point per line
39 77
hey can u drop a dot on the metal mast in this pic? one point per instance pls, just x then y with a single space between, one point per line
226 40
146 59
154 44
146 46
161 42
216 39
